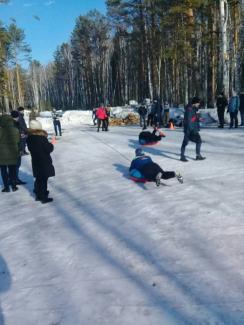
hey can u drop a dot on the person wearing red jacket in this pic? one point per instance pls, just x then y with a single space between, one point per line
101 118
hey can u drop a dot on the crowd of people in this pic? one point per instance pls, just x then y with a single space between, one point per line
15 136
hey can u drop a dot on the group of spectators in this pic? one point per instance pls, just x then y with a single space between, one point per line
155 114
15 136
234 106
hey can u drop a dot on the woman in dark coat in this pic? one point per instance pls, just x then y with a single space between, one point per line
40 149
9 152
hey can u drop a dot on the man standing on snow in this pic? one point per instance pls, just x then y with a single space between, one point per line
56 122
191 129
101 118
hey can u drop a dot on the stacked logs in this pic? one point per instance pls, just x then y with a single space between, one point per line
131 119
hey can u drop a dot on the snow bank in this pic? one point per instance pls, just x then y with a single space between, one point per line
69 119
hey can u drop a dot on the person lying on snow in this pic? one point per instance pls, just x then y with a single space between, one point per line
146 137
143 168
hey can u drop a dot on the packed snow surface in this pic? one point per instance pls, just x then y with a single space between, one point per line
109 251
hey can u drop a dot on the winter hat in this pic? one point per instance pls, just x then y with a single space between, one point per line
20 109
35 125
15 114
139 152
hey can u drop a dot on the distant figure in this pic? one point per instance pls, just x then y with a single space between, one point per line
94 116
40 149
142 111
221 103
241 108
191 129
32 115
107 109
149 170
157 110
101 118
146 137
166 114
233 107
56 122
151 114
9 152
23 130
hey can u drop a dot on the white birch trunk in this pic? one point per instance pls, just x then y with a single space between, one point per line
225 55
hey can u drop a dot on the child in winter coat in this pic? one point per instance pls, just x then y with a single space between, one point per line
143 166
40 149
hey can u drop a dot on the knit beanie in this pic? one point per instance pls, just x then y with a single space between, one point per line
35 125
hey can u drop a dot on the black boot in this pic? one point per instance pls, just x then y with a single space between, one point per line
6 189
47 200
183 158
199 157
14 188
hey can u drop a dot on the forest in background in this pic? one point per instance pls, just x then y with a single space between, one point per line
171 49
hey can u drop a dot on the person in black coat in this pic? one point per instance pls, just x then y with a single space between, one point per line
16 115
40 149
221 103
23 130
191 129
142 111
241 108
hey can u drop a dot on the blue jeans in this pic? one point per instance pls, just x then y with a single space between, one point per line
57 127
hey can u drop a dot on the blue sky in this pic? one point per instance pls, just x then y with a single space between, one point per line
57 20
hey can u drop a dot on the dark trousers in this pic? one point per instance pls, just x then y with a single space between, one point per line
242 118
106 123
221 114
40 187
8 174
23 144
104 126
143 121
150 171
233 119
194 137
18 167
150 120
57 127
94 118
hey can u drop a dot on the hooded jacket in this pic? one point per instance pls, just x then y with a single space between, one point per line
9 141
234 104
191 120
40 149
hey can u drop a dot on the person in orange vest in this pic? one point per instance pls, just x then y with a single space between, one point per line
101 118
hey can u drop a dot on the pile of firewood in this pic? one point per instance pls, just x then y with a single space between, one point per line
131 119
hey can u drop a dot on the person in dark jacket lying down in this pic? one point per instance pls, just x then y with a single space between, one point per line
143 167
146 137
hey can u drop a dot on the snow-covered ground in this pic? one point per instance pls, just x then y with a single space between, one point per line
109 251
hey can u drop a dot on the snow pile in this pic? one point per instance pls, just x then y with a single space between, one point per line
70 118
122 112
